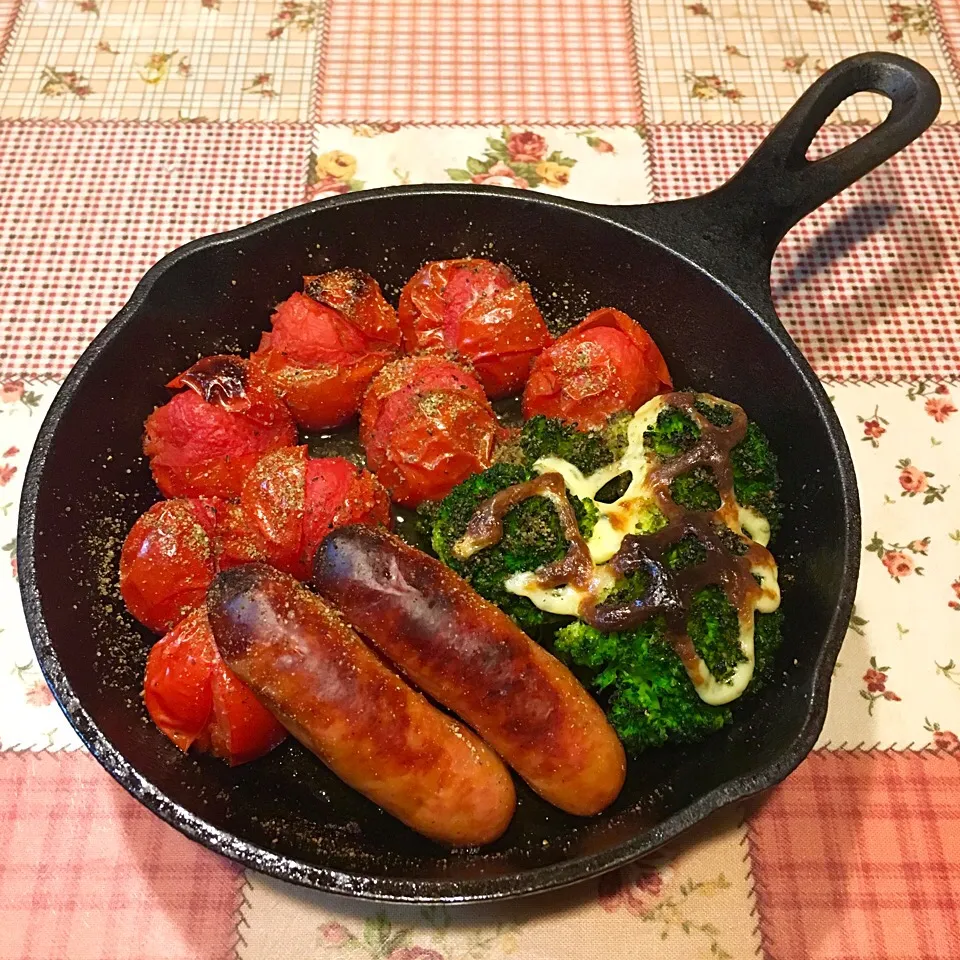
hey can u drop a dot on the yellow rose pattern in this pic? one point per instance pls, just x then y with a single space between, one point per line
553 174
337 164
331 173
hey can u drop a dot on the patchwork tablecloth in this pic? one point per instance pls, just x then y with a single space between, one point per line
130 126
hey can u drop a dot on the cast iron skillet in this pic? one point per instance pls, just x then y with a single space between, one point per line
694 272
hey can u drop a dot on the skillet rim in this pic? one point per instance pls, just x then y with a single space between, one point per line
409 889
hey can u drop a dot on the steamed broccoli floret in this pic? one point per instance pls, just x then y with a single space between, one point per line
767 637
652 701
588 450
714 628
688 551
755 478
588 647
617 432
719 414
633 587
712 621
650 519
651 698
675 432
672 434
531 537
695 490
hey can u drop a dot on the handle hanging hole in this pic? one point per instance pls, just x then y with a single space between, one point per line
854 117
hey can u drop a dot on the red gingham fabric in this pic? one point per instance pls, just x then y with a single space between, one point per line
479 61
856 856
869 284
88 872
75 244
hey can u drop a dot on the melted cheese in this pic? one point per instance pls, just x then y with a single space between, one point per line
631 513
636 512
754 525
565 600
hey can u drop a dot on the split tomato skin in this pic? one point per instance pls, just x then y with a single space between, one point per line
197 702
237 541
327 344
356 296
272 503
426 425
205 440
337 494
323 397
177 689
604 365
168 560
291 502
477 310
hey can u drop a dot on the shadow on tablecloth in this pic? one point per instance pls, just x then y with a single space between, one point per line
844 275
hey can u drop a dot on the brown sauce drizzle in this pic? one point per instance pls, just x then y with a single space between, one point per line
221 380
712 450
486 529
671 591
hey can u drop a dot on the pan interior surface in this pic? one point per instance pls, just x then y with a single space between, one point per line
218 297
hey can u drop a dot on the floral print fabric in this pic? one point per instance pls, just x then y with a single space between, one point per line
897 684
29 717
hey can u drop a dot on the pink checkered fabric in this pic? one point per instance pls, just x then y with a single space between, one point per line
87 872
479 61
856 856
86 208
869 284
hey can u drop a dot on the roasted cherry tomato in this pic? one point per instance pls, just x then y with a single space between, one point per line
197 702
168 561
426 425
337 494
327 344
477 309
606 364
206 439
291 502
237 540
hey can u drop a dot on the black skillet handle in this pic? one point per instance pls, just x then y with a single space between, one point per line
734 230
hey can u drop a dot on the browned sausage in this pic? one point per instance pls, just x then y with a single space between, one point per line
471 657
333 693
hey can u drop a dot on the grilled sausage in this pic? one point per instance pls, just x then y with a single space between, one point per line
472 658
338 699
